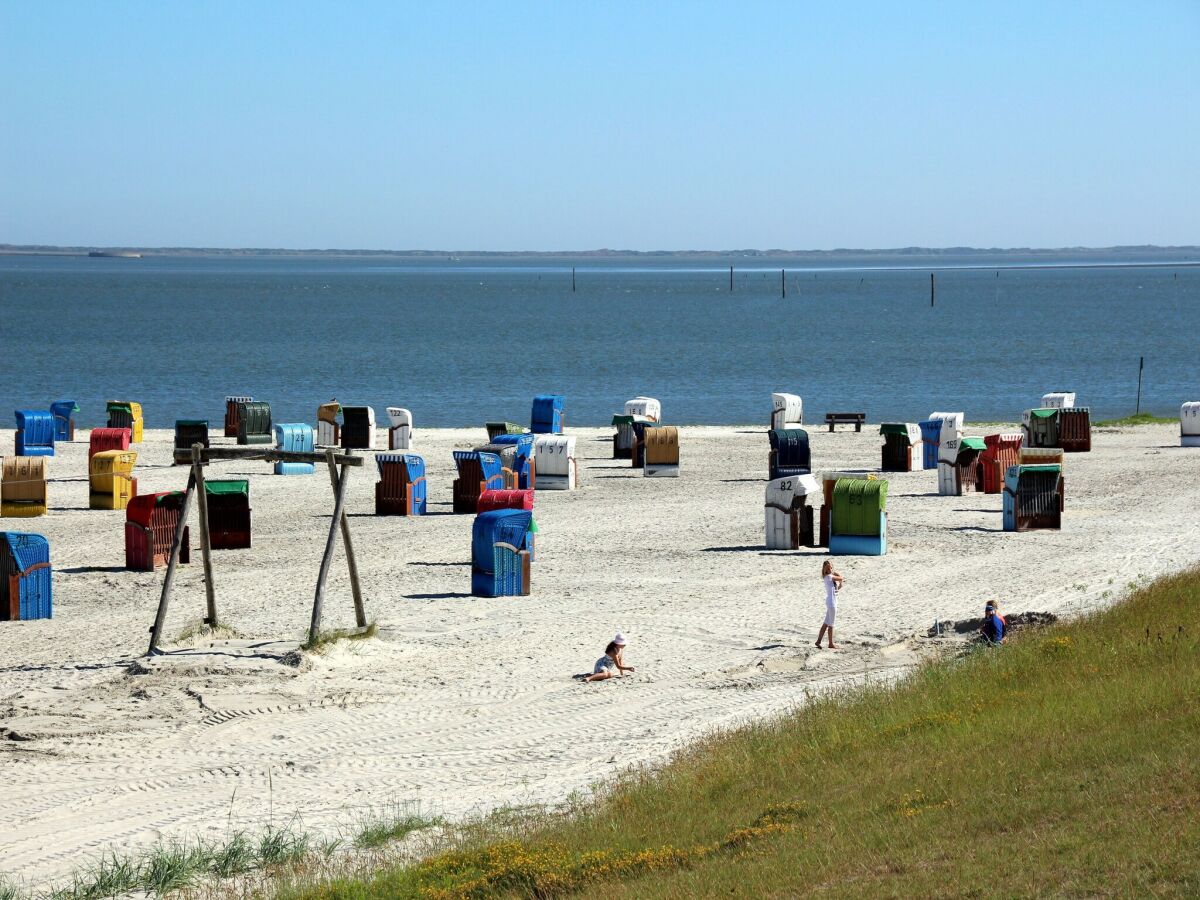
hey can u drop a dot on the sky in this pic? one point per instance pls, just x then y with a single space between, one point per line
575 126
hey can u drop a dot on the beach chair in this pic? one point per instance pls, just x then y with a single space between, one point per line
477 471
949 441
557 468
400 434
358 428
637 455
1040 427
500 558
401 489
233 416
1033 497
497 428
26 579
23 492
787 411
828 482
126 414
900 441
504 499
35 432
102 439
228 513
187 433
789 517
150 523
329 429
646 407
626 437
517 455
254 423
931 435
1040 456
1075 429
64 419
111 484
547 416
960 471
1189 424
1058 400
295 437
789 454
661 452
858 517
1000 452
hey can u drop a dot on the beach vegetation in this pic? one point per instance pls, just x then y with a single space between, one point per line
394 822
1137 419
1066 761
326 639
201 630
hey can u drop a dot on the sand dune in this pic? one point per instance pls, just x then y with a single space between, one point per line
465 703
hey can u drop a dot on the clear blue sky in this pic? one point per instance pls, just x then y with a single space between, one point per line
570 125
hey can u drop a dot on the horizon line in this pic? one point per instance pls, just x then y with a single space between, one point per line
9 248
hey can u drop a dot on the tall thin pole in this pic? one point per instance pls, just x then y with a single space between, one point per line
210 595
339 504
932 289
360 613
572 279
731 279
782 284
1141 364
165 597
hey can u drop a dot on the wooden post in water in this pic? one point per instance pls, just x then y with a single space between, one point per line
731 279
572 279
1141 364
782 284
168 582
210 591
932 289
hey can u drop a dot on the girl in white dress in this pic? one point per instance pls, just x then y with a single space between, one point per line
833 584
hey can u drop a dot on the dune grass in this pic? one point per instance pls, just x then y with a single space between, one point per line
1066 762
1138 419
326 639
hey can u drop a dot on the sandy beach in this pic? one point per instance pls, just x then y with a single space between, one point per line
463 704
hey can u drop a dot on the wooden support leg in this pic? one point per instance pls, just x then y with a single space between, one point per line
339 504
360 613
169 579
210 593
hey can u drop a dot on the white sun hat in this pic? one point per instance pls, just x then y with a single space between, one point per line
619 640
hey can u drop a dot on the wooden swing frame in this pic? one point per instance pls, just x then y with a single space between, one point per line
199 456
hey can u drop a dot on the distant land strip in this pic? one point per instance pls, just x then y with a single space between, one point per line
1152 250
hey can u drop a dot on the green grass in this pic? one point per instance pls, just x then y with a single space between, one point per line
199 629
393 823
1139 419
1064 763
327 638
172 865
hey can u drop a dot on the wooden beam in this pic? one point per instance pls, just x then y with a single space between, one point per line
210 591
360 612
169 581
339 505
268 454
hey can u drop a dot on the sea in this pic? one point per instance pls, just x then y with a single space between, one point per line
461 342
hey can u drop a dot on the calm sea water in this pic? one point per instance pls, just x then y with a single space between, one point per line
460 344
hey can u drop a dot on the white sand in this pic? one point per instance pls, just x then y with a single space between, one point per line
465 703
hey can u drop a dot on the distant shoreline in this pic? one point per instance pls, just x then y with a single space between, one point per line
1119 255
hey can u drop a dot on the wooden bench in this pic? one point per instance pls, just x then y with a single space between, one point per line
845 418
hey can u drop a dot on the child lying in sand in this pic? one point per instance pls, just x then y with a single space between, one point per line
611 663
